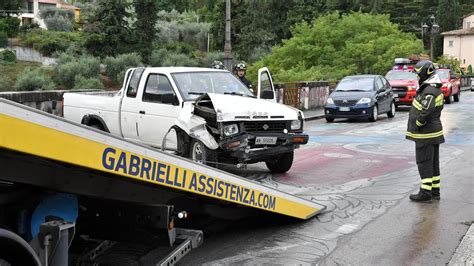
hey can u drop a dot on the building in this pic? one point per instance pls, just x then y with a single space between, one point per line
460 43
33 8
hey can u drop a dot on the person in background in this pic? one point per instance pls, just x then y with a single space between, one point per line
425 129
217 65
241 70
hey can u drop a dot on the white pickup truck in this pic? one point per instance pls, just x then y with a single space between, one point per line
204 114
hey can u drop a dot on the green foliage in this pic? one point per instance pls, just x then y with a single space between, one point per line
211 57
469 69
87 11
59 22
176 59
5 83
116 65
11 6
31 80
82 83
69 69
3 39
10 25
25 28
7 56
145 26
452 62
49 42
334 46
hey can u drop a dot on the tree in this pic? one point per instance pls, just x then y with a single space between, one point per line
448 18
334 46
9 7
109 31
147 15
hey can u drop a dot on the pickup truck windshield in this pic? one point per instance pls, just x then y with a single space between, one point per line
193 84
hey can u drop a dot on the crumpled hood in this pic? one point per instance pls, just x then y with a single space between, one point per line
234 107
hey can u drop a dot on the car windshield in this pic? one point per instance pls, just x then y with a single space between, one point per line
401 75
356 84
193 84
443 74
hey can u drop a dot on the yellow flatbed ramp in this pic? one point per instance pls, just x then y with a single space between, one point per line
29 133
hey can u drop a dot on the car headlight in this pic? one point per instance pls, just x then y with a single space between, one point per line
364 100
330 101
231 129
412 88
295 124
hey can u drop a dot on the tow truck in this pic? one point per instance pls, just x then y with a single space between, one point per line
56 174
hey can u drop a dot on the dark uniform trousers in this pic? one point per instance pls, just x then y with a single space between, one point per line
427 160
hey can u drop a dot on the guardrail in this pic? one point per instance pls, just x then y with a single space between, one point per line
303 95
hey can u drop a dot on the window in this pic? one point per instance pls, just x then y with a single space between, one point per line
451 43
265 79
379 83
468 24
134 81
156 86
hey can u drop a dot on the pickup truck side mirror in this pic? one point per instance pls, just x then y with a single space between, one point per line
169 98
267 95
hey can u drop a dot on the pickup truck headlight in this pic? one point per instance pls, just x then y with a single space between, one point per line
364 100
295 124
330 101
231 129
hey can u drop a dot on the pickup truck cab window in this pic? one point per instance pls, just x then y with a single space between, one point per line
156 86
193 84
132 88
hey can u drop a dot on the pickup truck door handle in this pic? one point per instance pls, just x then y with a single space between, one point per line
141 112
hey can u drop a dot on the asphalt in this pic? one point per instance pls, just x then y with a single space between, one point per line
464 254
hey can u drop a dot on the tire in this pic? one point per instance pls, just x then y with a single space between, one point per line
329 120
15 250
457 97
375 113
448 99
199 153
391 112
281 164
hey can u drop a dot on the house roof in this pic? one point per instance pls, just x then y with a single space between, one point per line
467 15
469 31
46 1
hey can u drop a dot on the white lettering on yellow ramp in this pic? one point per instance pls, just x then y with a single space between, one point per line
27 130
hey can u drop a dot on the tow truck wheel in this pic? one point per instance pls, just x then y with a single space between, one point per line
391 113
375 114
201 154
281 164
15 250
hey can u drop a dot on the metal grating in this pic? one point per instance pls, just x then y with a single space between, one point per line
259 126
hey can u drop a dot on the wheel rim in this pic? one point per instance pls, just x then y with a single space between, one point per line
392 109
375 112
198 153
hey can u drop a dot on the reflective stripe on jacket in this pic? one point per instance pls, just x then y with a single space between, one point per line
424 120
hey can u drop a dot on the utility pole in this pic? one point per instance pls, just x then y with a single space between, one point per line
227 45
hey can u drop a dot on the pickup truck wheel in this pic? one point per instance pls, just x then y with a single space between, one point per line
457 96
281 164
201 154
449 98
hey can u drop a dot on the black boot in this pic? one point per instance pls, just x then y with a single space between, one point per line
435 194
422 196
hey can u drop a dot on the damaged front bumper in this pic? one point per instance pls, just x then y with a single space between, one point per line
245 147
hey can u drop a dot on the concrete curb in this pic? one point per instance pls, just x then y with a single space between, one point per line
464 254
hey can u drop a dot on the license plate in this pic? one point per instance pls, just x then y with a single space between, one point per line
265 140
344 109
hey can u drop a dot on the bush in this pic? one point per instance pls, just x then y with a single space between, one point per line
31 80
115 65
211 57
3 39
59 23
68 69
25 28
176 59
10 25
82 83
5 84
49 42
7 56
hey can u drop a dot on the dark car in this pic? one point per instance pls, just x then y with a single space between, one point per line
362 96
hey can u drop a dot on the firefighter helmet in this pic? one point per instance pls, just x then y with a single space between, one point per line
424 69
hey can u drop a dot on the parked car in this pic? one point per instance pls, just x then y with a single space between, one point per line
362 96
451 87
404 84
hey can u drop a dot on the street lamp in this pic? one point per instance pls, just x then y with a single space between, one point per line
432 32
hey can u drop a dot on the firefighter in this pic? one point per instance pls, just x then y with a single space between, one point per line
241 69
425 128
217 65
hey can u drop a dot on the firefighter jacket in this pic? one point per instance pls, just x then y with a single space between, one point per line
424 119
246 82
